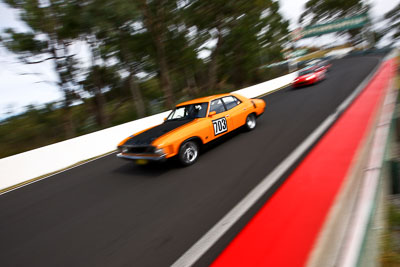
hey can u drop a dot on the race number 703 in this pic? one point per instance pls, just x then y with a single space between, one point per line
220 126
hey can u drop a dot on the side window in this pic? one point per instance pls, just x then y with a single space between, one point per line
231 102
217 106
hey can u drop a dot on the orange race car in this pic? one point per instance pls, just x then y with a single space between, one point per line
190 125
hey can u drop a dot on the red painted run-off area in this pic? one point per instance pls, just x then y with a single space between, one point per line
284 231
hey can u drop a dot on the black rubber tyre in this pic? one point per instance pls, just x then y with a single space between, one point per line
188 153
251 122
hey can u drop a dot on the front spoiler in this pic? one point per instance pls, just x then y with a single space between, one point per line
139 156
305 83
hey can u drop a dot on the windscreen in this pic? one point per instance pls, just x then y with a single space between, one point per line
191 111
307 71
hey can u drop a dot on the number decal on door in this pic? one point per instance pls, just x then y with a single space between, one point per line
220 126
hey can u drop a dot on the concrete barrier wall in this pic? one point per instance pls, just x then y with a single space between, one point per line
34 163
338 53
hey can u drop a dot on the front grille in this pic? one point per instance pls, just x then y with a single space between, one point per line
302 82
141 150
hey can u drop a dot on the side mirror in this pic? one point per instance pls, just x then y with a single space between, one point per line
212 113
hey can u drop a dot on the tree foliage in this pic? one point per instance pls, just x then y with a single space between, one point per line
322 11
393 17
53 28
240 29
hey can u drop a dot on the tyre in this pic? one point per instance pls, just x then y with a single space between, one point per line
188 153
251 122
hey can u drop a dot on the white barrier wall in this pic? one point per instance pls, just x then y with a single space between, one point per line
268 86
34 163
338 53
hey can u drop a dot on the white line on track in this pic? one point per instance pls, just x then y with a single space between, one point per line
195 252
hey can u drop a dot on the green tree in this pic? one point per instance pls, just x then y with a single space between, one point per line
321 11
116 27
183 60
95 82
52 33
98 79
156 17
261 31
239 30
393 18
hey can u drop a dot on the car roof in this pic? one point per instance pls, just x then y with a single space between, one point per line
202 99
309 68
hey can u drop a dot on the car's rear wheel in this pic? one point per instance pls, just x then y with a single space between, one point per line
251 122
188 153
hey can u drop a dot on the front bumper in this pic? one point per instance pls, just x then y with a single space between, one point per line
303 82
131 156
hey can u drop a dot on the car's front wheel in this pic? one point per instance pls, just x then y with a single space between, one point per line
250 122
188 153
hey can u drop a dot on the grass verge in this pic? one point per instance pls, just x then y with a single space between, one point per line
390 256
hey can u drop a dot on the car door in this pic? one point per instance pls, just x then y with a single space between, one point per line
220 122
236 110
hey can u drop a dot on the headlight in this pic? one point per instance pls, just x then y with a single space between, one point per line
159 151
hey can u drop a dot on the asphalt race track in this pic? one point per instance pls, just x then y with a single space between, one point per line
110 212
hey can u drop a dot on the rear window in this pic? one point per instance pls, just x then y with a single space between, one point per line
231 102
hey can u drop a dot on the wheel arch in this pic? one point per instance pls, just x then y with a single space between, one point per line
251 113
245 125
196 139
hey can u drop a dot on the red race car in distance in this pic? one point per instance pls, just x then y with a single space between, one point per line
310 75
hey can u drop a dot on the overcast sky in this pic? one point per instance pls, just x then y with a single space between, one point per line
18 91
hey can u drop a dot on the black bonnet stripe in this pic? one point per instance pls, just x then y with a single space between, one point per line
147 137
